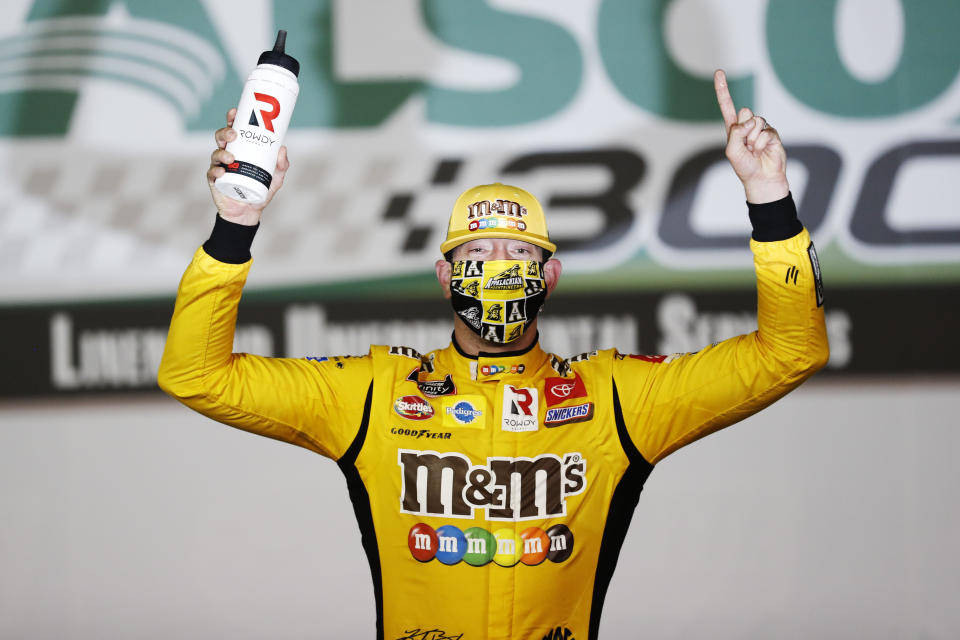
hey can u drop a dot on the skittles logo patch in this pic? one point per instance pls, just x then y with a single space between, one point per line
413 408
478 547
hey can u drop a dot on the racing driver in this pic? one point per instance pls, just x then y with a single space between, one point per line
518 495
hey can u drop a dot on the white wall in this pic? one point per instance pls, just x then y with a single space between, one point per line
833 514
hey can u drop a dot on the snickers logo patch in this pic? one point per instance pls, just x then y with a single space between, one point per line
559 416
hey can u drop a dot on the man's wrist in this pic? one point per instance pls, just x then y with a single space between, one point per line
765 192
229 241
773 221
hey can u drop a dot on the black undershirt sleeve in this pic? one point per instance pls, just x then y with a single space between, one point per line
230 242
775 220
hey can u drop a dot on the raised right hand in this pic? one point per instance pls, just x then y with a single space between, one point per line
230 209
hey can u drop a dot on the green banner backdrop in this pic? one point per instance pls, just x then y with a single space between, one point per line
603 109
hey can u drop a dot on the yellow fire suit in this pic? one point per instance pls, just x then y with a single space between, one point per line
493 493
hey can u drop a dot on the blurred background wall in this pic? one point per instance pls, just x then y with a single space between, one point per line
832 514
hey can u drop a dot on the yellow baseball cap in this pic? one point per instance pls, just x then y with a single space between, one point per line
497 211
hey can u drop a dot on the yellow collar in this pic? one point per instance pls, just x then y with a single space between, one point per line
487 367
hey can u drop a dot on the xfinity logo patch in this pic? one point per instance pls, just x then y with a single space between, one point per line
433 388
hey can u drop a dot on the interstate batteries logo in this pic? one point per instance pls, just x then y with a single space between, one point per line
478 547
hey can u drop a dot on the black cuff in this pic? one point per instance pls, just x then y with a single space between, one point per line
775 220
230 242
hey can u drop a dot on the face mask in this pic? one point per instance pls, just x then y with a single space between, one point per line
498 299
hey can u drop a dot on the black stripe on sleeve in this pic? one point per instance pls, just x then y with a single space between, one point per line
361 508
622 504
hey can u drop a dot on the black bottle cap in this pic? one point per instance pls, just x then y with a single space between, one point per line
278 57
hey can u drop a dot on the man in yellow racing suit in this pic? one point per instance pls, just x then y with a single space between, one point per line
494 482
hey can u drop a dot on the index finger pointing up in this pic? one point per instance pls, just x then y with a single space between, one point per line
727 109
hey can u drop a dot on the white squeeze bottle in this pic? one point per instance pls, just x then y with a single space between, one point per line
263 115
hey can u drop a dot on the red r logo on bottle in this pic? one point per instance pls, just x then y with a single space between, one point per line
268 116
